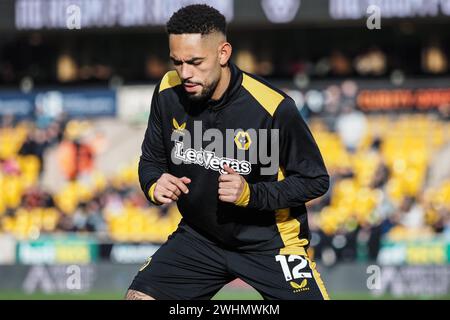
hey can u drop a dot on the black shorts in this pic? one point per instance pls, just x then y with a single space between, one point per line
189 266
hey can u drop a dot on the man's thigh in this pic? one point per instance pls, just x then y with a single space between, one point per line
185 267
279 276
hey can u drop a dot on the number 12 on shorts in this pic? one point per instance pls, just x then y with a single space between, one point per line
296 274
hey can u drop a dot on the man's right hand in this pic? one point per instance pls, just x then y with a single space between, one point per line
168 188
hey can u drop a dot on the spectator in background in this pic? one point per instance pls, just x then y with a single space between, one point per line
372 62
61 122
75 158
434 59
384 209
67 68
95 221
112 202
9 167
444 111
65 223
155 67
36 144
265 65
35 197
351 125
442 222
340 64
7 72
333 96
80 217
53 133
445 218
246 61
410 214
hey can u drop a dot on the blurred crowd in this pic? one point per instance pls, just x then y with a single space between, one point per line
89 59
390 179
112 207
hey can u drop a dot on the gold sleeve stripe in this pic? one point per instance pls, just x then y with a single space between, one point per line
169 80
244 197
267 97
289 228
151 192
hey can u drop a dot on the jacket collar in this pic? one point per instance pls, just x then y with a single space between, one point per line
230 93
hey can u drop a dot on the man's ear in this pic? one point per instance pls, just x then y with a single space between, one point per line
225 50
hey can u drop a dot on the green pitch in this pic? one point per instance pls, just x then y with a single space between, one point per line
225 294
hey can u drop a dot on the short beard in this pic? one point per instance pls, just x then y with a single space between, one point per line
205 94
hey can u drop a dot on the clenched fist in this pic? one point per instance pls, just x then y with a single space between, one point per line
233 187
168 188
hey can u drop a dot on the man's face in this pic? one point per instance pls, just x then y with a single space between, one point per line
196 60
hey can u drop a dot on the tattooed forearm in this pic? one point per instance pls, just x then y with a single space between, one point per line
136 295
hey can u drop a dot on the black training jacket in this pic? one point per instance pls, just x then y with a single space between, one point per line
275 216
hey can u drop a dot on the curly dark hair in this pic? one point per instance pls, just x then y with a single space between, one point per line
196 18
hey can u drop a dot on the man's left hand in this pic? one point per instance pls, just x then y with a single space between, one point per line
231 185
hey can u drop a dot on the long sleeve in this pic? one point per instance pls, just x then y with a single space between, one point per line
305 175
153 161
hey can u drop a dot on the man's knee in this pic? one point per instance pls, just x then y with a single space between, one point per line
137 295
